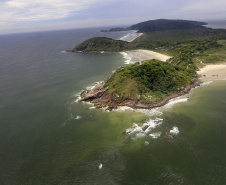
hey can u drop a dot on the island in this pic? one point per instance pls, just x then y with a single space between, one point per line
152 83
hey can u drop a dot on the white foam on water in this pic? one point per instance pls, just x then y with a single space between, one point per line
150 112
77 117
133 129
174 131
175 101
206 83
64 51
123 108
100 166
146 143
78 97
145 129
93 107
127 56
93 85
155 135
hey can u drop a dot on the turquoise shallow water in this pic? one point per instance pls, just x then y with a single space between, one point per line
46 137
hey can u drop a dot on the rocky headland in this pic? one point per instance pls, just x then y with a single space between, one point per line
100 97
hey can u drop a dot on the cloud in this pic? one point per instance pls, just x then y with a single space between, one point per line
43 10
30 14
207 6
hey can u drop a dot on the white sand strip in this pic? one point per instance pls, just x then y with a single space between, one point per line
138 35
142 54
213 72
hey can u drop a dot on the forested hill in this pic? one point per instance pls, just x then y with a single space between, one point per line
168 23
103 44
170 26
161 25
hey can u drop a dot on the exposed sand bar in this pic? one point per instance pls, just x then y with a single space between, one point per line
142 54
213 72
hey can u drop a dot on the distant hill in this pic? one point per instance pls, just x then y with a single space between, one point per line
161 25
174 25
116 29
167 22
102 44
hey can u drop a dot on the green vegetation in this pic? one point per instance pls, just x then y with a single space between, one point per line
213 57
188 42
175 25
166 24
150 81
103 44
207 45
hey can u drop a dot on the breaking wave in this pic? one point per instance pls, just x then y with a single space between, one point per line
175 101
206 83
127 56
146 129
174 131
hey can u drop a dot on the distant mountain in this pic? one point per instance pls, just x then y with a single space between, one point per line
102 44
171 25
116 29
160 22
161 25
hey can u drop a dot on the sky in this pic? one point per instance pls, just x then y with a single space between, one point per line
40 15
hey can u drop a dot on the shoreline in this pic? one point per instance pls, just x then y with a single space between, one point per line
212 72
142 54
101 99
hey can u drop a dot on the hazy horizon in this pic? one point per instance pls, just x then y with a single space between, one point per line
18 16
211 23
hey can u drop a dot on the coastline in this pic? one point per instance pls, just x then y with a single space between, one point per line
142 54
101 99
212 72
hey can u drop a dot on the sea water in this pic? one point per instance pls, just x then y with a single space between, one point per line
47 137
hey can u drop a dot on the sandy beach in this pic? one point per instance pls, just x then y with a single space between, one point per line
213 72
142 54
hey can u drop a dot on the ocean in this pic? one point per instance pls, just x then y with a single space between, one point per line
47 137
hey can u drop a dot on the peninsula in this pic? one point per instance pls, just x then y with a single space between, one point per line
152 83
